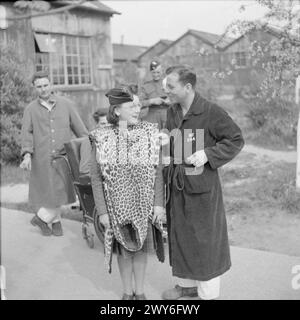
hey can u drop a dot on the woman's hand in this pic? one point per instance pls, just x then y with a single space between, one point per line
159 214
104 220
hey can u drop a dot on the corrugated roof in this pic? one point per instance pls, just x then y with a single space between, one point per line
92 5
273 30
212 38
126 52
165 42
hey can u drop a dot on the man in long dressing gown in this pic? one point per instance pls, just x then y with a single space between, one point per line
197 229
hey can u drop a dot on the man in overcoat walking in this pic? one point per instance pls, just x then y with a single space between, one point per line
197 229
48 122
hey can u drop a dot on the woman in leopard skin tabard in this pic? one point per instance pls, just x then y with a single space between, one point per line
128 187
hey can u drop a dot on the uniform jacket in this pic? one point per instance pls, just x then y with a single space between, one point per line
197 228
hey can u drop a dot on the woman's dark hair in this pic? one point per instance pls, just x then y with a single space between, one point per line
117 96
111 115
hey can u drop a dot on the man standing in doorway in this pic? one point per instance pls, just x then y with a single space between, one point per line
153 99
197 229
48 123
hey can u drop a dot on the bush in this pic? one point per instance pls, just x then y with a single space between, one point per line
16 92
275 119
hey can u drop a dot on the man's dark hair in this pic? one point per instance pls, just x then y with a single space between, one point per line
185 74
99 113
40 74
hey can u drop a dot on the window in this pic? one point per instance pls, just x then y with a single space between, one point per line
67 58
241 59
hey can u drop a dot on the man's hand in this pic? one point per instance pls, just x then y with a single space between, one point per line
104 220
167 101
198 159
162 138
156 101
26 163
159 214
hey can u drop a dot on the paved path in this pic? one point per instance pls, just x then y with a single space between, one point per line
40 267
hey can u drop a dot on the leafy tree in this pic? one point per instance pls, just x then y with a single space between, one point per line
278 62
16 92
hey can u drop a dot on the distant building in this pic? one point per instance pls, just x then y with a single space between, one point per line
239 51
152 52
125 62
74 45
209 53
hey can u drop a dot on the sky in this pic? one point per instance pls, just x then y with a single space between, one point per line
146 22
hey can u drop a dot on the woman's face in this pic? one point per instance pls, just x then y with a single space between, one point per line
129 111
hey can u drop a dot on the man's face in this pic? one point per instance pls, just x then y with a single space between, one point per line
176 91
102 121
43 88
156 73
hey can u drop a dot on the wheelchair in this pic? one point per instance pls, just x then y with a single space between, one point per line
83 189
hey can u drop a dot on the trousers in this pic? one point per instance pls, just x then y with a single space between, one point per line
50 215
207 290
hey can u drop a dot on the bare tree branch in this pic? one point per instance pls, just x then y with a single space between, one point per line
53 11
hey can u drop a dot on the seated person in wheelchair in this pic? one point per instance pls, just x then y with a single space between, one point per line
100 119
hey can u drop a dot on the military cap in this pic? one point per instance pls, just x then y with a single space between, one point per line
154 64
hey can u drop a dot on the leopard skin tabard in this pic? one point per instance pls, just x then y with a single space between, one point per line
128 158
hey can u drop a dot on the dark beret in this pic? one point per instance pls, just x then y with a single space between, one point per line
119 95
154 64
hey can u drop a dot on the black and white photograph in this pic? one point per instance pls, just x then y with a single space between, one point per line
150 150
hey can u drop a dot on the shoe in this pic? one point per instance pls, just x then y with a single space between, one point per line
38 222
140 297
128 296
57 229
179 292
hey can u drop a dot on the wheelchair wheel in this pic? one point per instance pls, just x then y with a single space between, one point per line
98 226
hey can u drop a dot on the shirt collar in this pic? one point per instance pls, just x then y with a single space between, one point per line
51 102
197 107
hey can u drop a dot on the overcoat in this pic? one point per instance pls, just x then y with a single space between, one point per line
197 228
43 135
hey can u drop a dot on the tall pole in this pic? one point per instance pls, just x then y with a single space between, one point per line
297 94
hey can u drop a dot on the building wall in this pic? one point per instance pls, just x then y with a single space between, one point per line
243 76
77 22
18 33
96 26
149 55
126 72
186 50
